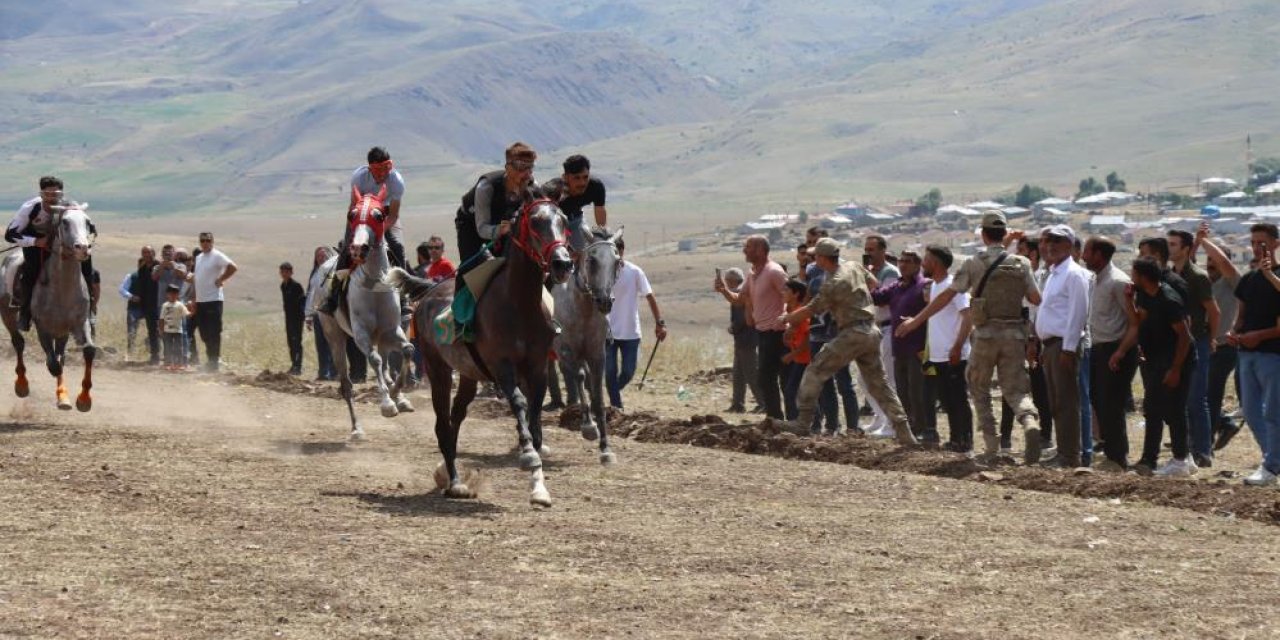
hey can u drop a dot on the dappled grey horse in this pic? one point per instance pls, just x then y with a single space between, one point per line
582 309
59 302
369 313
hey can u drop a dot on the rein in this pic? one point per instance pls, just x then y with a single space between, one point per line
522 237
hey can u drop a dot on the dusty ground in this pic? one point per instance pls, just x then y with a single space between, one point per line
184 506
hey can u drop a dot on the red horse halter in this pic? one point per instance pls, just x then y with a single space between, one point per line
522 237
368 211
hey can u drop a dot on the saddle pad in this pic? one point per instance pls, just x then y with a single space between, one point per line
477 280
444 328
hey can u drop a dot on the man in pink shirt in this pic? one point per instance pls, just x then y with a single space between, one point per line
765 308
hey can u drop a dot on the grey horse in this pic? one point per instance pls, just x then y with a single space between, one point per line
59 302
369 314
582 309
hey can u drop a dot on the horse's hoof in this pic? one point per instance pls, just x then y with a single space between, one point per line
21 388
590 432
389 410
64 400
540 498
357 435
608 459
459 490
529 461
544 450
84 402
404 405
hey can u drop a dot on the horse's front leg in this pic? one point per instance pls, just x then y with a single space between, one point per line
84 401
595 388
337 340
53 350
529 459
21 387
587 424
407 354
370 348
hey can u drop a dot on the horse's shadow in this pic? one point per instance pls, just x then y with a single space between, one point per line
509 460
424 504
309 448
19 427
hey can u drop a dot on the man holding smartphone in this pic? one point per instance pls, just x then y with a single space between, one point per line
1257 337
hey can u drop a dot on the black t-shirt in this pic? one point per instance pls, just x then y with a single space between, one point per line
1156 336
1261 308
556 189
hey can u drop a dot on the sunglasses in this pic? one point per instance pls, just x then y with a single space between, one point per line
435 248
520 165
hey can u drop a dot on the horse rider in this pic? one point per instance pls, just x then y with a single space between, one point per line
28 230
574 190
493 202
370 178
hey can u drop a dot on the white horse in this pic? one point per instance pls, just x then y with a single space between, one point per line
59 302
582 309
369 313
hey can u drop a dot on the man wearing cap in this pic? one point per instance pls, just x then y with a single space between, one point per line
295 310
998 283
1060 325
846 294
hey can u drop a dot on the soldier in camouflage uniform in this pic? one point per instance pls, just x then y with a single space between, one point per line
847 296
999 332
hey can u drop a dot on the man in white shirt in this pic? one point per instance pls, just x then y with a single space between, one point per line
1060 325
624 326
213 269
947 355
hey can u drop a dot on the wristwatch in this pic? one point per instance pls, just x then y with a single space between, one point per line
661 322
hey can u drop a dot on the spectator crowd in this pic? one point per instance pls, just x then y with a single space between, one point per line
1060 324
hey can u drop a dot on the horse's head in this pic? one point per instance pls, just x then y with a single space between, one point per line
366 221
599 268
74 230
541 236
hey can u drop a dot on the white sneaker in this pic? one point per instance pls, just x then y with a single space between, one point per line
1260 478
1048 454
883 433
1006 451
1177 468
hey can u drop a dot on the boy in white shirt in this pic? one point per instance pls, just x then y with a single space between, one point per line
173 315
947 354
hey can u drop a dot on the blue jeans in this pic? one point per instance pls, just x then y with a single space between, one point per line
1259 375
323 356
1086 409
614 378
1201 430
794 372
133 316
829 403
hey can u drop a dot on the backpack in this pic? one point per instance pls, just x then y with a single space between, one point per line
998 297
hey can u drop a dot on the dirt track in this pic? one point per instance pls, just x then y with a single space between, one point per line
208 510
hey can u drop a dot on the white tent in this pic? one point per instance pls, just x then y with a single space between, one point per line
1234 195
1218 182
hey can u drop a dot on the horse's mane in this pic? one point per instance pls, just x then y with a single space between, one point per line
601 233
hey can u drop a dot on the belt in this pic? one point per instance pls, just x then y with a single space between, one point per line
1050 340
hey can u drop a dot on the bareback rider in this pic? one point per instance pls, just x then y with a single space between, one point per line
28 230
489 207
371 178
573 191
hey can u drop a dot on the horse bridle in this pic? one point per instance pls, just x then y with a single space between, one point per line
521 238
577 279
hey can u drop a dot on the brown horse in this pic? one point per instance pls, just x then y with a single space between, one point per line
513 335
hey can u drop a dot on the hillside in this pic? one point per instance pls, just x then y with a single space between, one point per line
224 103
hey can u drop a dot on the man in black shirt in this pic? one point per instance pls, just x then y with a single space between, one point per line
1164 335
295 305
573 191
1257 336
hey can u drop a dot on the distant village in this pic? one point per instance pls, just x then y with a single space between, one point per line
1125 216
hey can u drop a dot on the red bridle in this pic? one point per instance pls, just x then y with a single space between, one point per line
525 232
368 210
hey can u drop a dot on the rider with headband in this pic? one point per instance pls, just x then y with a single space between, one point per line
489 207
371 178
28 230
573 191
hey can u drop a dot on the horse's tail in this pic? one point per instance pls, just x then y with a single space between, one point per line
409 284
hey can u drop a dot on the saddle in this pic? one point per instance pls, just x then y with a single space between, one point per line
456 320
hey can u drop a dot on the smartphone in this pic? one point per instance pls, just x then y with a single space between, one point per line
720 277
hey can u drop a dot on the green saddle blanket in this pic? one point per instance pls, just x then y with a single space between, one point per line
456 320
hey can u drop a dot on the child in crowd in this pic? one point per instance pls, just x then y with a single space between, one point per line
173 315
796 294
